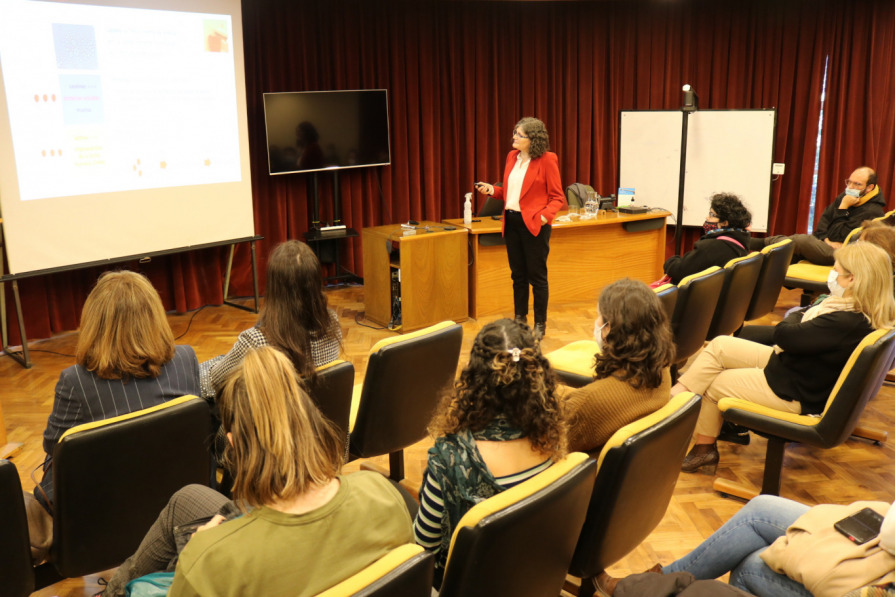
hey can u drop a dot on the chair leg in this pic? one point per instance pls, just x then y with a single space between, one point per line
877 436
773 466
396 465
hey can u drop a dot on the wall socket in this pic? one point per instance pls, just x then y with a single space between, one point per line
777 168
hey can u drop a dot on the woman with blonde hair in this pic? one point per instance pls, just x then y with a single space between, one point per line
810 349
296 525
632 377
293 318
500 425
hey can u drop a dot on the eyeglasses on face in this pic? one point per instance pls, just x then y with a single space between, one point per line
519 135
855 184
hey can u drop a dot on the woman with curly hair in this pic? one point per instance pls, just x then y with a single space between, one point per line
500 425
725 238
532 194
632 376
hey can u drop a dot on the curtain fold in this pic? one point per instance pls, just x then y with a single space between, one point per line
460 74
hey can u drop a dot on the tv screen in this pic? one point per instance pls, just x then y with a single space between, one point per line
309 131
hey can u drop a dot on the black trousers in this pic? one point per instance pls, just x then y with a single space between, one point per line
527 255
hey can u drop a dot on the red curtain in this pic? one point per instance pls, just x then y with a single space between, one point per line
460 74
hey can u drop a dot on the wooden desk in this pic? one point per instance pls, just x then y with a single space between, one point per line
433 269
585 256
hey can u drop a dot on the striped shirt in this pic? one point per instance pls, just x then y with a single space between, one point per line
427 528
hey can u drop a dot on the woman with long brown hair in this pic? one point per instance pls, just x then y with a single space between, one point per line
632 376
293 318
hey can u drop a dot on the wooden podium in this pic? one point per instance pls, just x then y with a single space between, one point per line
430 265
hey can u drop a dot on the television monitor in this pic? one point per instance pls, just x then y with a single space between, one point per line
309 131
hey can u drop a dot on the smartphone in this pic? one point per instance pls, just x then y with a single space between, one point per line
860 527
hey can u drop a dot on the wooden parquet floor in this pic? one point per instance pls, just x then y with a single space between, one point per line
857 469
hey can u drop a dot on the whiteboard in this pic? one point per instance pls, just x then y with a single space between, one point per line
727 151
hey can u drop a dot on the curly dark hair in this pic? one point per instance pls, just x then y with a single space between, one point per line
536 132
728 207
639 344
494 385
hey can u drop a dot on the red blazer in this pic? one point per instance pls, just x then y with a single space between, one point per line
542 193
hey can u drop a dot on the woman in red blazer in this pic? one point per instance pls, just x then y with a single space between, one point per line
532 194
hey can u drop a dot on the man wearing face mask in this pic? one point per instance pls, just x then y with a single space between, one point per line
861 200
725 238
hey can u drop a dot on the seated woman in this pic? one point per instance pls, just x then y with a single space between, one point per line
725 238
810 350
632 368
500 425
126 361
741 545
293 318
306 527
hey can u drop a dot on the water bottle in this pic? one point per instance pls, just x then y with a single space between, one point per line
467 210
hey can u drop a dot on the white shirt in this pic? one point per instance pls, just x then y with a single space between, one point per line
514 183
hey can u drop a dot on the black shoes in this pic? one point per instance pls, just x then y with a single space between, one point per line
703 458
735 434
540 330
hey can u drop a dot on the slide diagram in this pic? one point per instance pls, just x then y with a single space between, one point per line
117 99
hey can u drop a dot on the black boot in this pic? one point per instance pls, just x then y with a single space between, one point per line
540 329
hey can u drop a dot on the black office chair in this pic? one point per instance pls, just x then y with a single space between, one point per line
740 278
111 478
860 380
16 573
544 514
332 391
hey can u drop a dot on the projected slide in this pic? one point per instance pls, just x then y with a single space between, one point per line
115 99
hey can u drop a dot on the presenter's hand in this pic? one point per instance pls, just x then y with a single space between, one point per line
484 188
543 220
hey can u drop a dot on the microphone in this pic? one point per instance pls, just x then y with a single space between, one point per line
691 100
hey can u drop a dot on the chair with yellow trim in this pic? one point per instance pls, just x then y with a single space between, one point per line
520 541
111 478
810 277
403 382
697 298
860 380
636 475
15 549
574 362
331 391
406 571
770 280
740 278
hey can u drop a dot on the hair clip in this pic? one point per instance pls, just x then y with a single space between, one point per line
516 353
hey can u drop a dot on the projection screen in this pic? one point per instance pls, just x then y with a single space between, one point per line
122 129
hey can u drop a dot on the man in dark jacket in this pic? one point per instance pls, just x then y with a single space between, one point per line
861 200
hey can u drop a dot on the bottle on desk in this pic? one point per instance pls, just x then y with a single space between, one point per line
467 209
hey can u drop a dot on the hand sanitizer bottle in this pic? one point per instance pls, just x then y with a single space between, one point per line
467 209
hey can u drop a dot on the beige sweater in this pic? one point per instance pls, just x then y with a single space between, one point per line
602 407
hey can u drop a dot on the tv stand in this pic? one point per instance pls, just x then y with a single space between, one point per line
323 236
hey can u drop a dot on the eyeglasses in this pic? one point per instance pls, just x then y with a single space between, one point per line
520 135
855 183
713 215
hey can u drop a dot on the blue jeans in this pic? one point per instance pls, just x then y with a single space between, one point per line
736 546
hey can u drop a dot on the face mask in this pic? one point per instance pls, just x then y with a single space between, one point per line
709 226
598 334
852 192
833 284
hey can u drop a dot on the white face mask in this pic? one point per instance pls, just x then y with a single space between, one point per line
833 284
852 192
598 334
